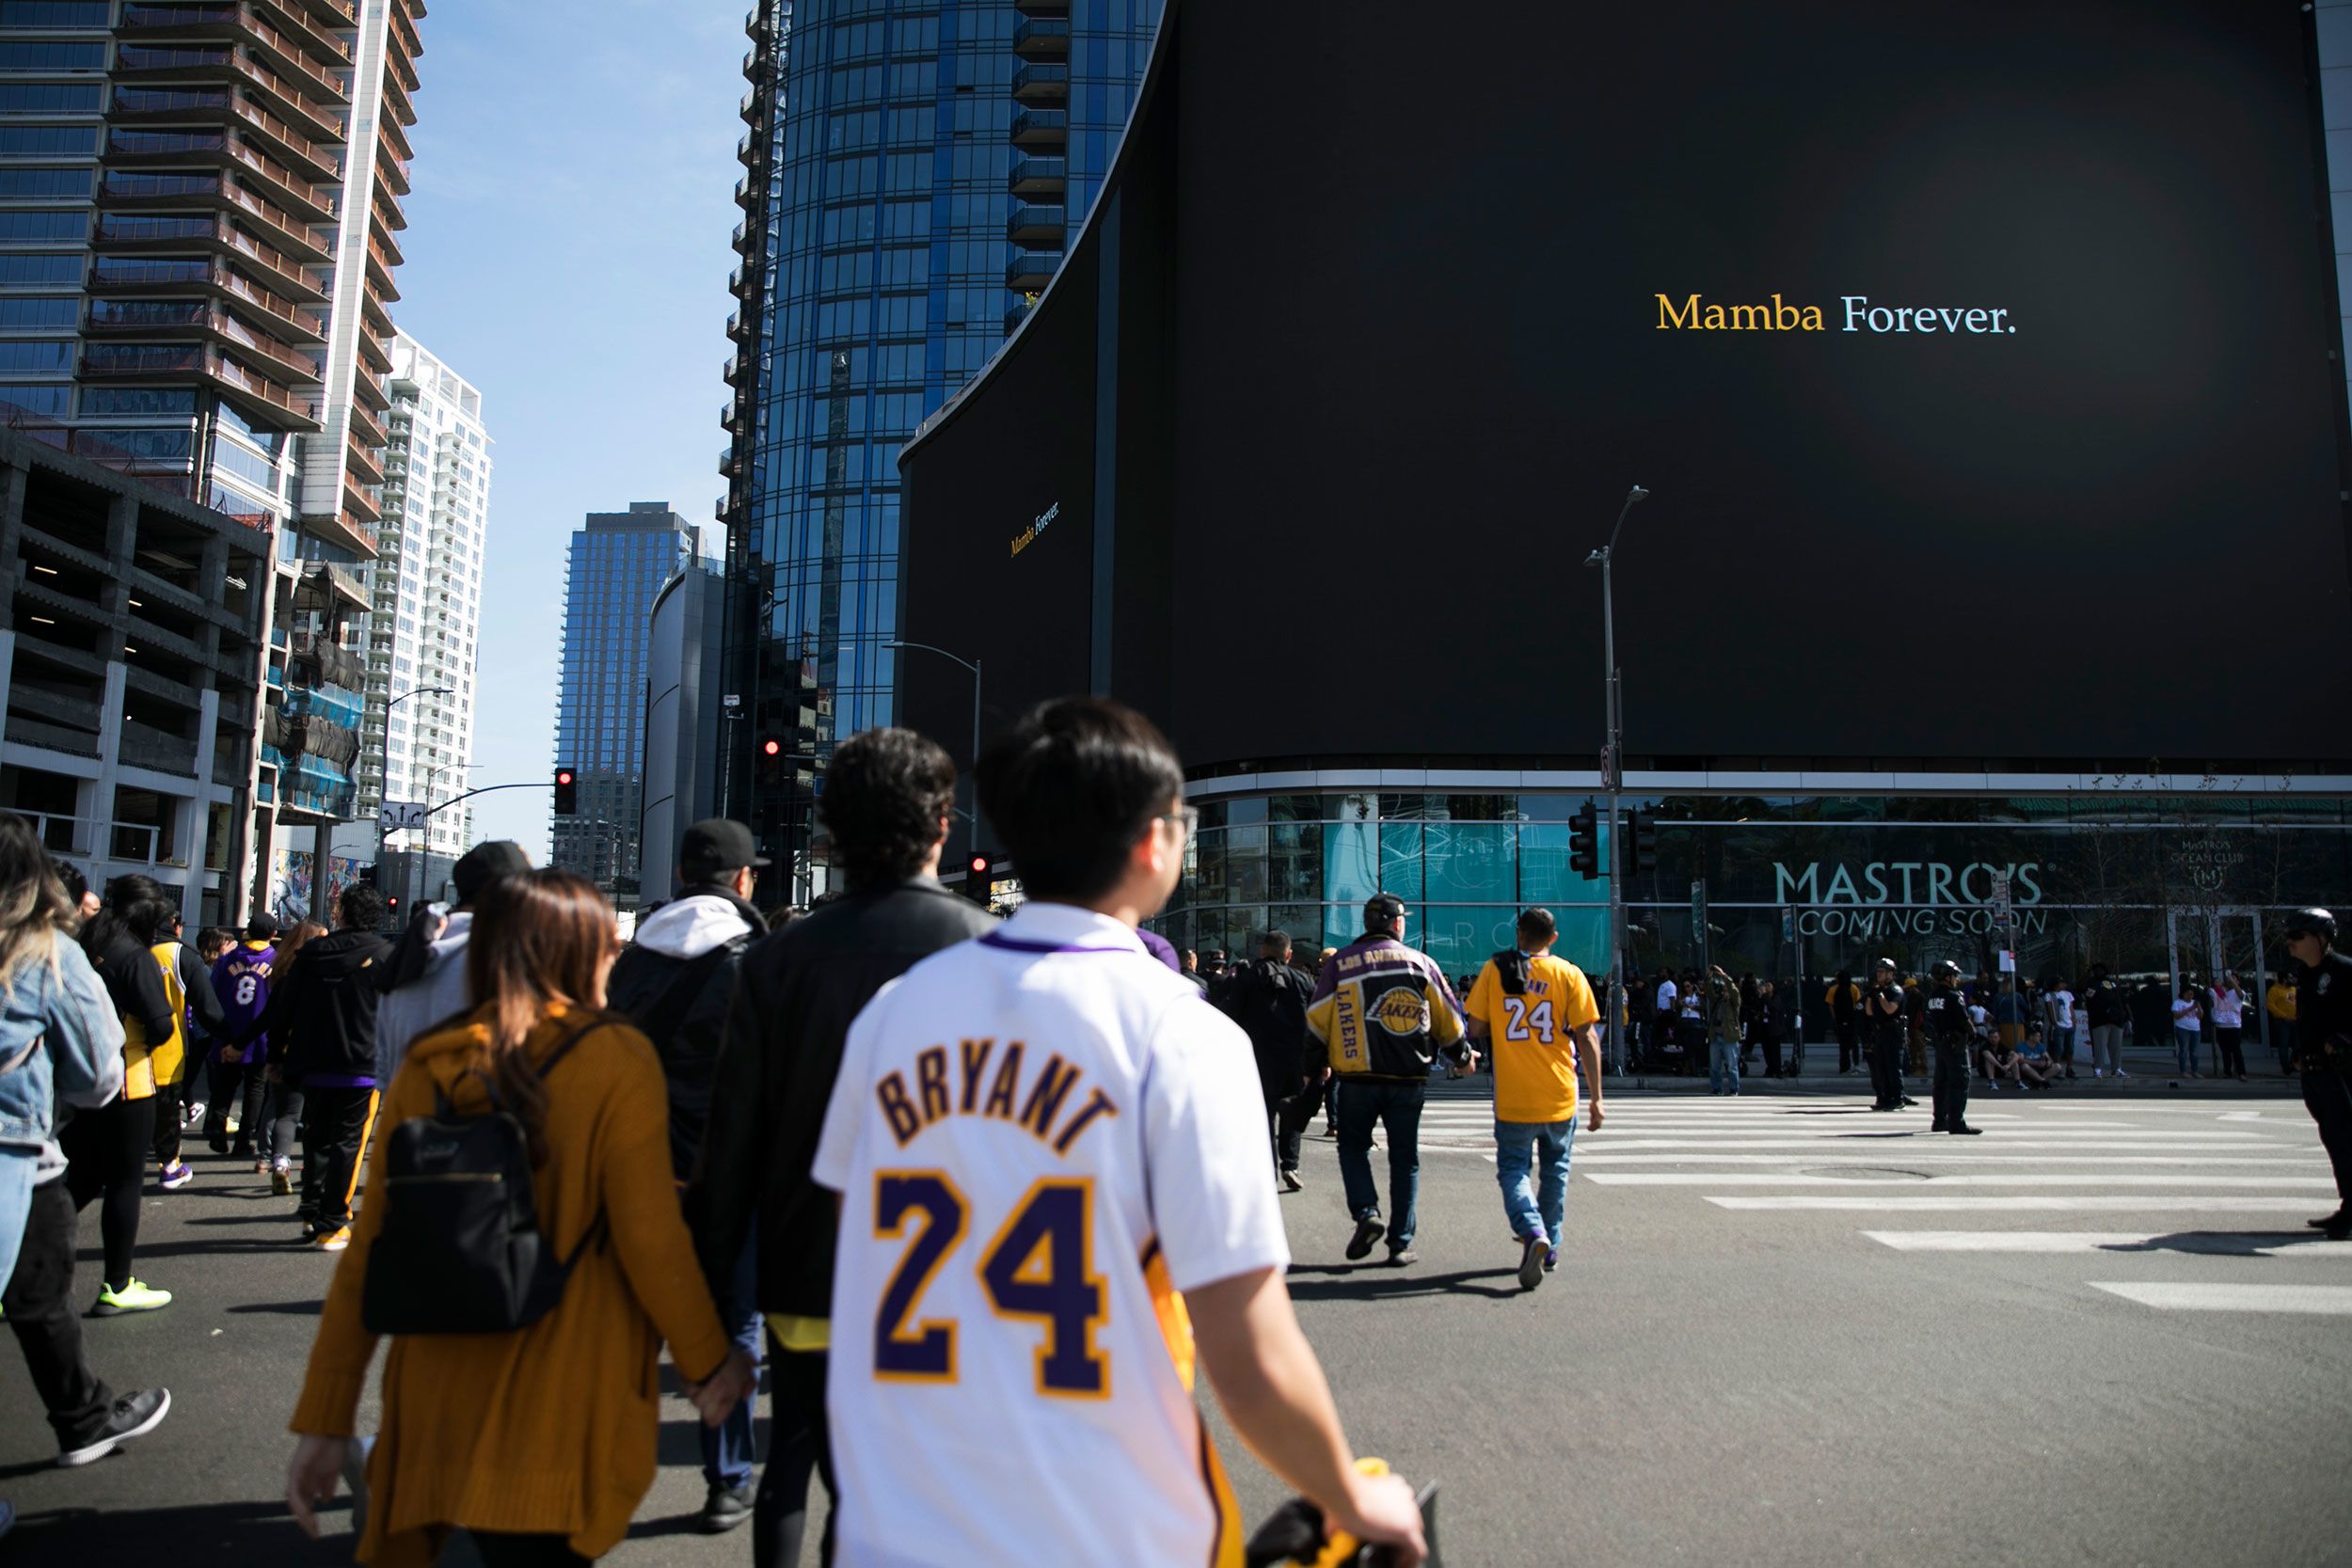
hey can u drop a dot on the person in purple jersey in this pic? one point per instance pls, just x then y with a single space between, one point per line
241 979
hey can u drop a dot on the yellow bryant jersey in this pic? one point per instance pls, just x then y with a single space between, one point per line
1532 1037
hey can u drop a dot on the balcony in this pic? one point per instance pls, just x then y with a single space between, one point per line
115 275
1042 8
1043 176
1015 313
368 428
1042 130
175 320
1035 226
390 172
731 463
1041 85
368 388
362 463
388 210
401 109
123 191
380 264
740 330
737 371
744 196
135 233
291 56
135 148
181 107
1042 38
371 349
261 401
231 66
1029 273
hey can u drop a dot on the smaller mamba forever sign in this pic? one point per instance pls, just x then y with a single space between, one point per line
1694 314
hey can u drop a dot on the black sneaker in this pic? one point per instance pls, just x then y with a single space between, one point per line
1367 1231
1532 1252
1400 1256
1963 1130
134 1414
724 1509
2326 1221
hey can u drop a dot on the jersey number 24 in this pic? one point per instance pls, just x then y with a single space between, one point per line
1039 1267
1525 1021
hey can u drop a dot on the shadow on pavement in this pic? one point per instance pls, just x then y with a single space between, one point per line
284 1308
228 1535
2223 1243
1381 1282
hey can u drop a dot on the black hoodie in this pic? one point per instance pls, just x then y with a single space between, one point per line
321 1018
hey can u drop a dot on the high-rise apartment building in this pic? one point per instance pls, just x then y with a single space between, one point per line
424 591
616 569
199 205
911 174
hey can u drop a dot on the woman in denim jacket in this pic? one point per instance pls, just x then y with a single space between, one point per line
61 1047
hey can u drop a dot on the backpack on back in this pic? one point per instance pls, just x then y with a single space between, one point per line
460 1250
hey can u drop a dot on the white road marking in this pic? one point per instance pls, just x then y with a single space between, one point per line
2104 1240
1797 1147
2020 1202
1913 1153
2334 1301
2014 1179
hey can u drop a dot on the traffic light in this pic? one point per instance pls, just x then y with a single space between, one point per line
1585 843
1641 834
976 879
391 906
566 792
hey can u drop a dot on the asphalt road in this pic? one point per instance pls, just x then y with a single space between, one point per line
1785 1331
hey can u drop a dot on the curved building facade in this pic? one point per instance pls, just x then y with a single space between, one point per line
1966 568
913 168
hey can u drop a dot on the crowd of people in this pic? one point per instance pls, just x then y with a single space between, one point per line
2036 1031
758 1137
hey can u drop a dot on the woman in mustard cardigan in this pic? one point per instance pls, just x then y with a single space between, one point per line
540 1442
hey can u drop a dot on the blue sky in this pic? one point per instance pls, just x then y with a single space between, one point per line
567 253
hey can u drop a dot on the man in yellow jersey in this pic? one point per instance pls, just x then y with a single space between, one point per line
1534 1015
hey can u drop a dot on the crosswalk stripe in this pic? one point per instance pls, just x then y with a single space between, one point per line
2020 1202
2329 1300
2312 1160
1800 1147
2013 1179
2281 1246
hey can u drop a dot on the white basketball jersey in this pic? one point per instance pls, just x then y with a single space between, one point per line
1039 1138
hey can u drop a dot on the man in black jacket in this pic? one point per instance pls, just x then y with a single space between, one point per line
320 1022
675 982
888 795
1268 999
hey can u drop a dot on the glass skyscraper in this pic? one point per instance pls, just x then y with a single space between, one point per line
913 168
616 569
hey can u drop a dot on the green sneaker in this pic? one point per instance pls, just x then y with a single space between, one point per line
133 1297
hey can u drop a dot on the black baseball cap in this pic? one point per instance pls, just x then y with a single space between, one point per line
1380 909
261 927
491 862
718 845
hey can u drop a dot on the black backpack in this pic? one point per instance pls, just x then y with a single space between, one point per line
460 1250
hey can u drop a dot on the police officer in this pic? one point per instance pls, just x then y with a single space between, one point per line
1887 1030
1943 1020
2323 1048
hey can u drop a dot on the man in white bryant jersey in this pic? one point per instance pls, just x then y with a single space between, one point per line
1051 1157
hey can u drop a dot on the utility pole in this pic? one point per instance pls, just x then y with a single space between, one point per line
1611 775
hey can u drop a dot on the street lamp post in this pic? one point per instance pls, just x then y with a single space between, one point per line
972 821
416 894
1613 771
383 778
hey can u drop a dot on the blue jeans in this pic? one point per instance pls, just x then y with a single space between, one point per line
1397 1108
2185 1048
1723 1063
727 1448
1535 1212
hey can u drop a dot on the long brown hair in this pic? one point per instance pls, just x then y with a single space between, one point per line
291 942
539 939
35 911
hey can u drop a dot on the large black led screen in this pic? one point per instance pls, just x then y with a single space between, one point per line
1978 357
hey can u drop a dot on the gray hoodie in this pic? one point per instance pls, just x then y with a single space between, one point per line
406 1012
